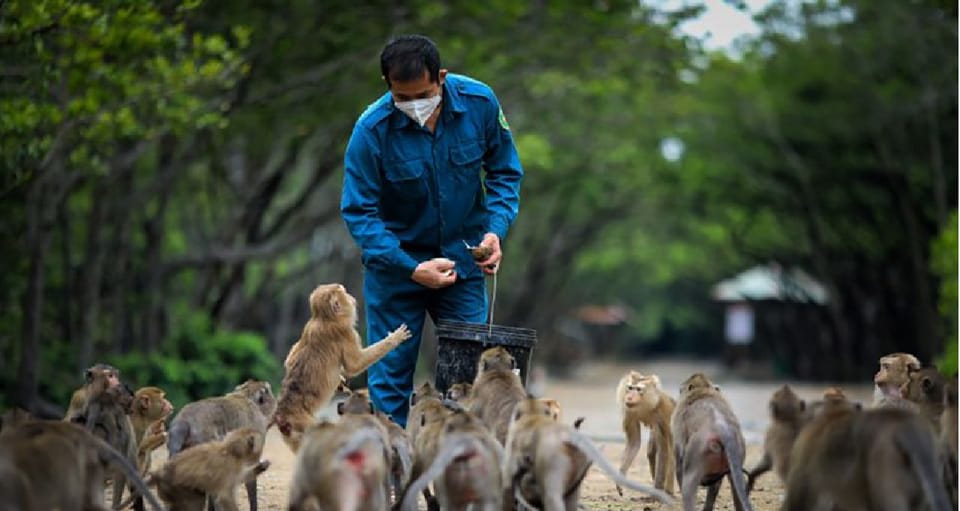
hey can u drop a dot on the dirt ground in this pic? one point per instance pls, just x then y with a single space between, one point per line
591 395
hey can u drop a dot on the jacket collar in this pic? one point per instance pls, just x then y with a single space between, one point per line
452 102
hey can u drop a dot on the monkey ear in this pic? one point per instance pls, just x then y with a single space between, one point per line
423 420
513 363
340 408
251 443
483 365
413 399
803 405
335 304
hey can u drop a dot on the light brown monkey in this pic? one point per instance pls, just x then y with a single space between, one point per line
424 424
461 393
496 391
328 345
554 406
466 470
213 468
149 410
78 401
894 371
105 415
341 468
882 459
788 414
425 399
60 466
643 402
545 461
708 444
251 404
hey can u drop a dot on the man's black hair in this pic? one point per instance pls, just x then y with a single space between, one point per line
405 58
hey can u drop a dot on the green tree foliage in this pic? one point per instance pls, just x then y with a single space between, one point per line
944 264
175 166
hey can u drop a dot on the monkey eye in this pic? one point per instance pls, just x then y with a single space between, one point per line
885 366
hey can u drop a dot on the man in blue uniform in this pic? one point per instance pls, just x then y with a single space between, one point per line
430 165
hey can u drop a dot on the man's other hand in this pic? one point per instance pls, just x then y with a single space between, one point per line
435 273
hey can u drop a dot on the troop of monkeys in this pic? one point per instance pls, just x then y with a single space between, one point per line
831 455
484 444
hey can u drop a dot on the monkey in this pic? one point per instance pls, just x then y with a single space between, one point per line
328 345
466 469
148 411
948 439
104 414
787 417
61 466
708 444
925 389
461 393
554 406
879 459
425 399
545 461
358 403
894 371
424 424
213 468
78 401
496 390
643 402
13 418
338 467
250 404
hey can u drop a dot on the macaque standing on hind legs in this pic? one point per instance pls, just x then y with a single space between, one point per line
329 343
643 403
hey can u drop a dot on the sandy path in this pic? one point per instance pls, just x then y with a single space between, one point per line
591 395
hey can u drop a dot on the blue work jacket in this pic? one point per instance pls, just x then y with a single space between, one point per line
410 195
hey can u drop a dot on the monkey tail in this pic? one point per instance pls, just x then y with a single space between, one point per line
453 446
585 446
176 437
735 465
916 443
120 460
404 456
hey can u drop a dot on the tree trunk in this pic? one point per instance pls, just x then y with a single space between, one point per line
91 276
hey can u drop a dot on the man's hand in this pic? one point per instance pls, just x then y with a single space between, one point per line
492 263
435 273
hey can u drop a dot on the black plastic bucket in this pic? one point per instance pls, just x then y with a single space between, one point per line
460 344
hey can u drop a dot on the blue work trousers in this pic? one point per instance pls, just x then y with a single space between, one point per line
392 300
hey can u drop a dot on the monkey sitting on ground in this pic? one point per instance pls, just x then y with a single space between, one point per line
339 467
425 399
329 343
545 461
788 415
708 444
496 391
895 370
249 405
57 465
148 411
213 468
78 401
643 402
466 469
882 459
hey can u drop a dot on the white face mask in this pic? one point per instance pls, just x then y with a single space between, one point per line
419 109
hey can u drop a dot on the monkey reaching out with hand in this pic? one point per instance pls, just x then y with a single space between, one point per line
329 344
